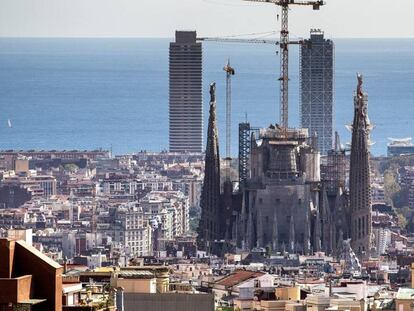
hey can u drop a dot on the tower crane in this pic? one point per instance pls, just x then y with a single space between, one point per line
237 40
284 50
229 72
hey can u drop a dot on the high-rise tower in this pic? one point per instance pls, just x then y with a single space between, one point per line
317 88
186 109
359 177
209 227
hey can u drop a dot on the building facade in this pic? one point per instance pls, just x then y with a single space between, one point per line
317 88
281 200
186 104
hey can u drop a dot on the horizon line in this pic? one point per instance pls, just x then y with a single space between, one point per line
169 38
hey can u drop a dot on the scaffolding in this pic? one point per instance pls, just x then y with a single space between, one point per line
335 172
244 152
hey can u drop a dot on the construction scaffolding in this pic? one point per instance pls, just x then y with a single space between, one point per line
244 152
334 170
245 133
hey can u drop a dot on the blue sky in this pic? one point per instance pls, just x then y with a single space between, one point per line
159 18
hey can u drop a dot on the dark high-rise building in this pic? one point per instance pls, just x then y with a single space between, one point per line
317 88
186 109
359 176
209 228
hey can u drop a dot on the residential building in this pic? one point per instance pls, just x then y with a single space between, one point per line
186 109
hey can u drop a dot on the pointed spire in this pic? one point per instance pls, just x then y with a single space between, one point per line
275 233
292 235
317 232
307 235
326 222
260 229
243 223
209 228
339 243
249 235
359 174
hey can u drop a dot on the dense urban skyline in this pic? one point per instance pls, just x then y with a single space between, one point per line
292 224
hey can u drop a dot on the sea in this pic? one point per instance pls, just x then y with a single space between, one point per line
113 93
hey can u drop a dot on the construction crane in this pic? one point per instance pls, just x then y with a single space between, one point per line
229 72
235 40
284 51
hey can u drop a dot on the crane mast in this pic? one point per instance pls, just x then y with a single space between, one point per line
284 51
229 72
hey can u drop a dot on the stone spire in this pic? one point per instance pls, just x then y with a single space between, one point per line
242 226
250 229
359 176
317 232
307 235
275 233
260 229
209 227
292 235
326 222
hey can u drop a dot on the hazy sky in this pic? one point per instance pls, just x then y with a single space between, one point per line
159 18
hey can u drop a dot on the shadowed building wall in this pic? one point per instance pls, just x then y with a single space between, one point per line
38 279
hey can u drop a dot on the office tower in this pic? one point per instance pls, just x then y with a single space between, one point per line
359 176
186 109
209 227
317 89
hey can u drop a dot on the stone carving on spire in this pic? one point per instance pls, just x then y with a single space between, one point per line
213 92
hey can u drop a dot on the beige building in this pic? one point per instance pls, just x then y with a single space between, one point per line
135 281
405 299
146 280
21 165
325 303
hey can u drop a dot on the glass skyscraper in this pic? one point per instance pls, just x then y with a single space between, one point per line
317 89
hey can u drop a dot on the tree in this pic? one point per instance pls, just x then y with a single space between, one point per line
70 167
391 186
